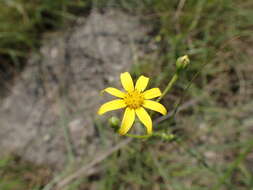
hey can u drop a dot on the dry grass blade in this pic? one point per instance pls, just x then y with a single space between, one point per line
88 169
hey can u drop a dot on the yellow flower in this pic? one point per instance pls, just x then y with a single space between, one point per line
135 99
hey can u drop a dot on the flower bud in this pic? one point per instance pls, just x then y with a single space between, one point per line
114 122
168 137
182 62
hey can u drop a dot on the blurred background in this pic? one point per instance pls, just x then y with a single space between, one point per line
56 57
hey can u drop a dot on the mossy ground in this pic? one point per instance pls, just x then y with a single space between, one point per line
214 150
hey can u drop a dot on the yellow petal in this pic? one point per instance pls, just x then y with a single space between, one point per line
112 105
141 83
114 92
155 106
152 93
145 119
127 82
127 121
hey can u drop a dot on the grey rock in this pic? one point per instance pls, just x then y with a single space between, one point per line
49 114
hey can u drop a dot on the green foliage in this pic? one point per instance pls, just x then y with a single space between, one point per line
213 148
214 135
19 175
23 21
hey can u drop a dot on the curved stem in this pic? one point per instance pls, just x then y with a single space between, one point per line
169 86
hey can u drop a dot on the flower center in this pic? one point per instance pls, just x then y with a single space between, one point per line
134 99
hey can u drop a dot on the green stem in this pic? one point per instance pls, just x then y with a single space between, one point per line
169 86
138 136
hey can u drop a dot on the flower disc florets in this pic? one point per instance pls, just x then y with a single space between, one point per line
134 99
